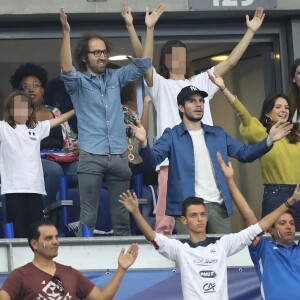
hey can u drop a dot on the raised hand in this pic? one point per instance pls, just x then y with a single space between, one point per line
296 195
130 201
280 130
139 132
64 21
217 80
227 170
127 259
151 19
257 20
126 14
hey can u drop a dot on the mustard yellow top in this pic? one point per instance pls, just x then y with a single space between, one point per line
281 165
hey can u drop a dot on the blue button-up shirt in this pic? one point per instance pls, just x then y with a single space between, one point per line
177 145
97 105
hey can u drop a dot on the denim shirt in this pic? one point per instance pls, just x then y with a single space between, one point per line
97 105
177 145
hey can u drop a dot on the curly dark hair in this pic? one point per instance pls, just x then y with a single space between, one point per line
28 69
293 137
82 48
167 49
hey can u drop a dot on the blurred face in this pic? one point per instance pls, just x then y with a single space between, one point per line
96 65
32 86
193 108
280 111
296 78
21 112
284 230
176 62
195 219
48 243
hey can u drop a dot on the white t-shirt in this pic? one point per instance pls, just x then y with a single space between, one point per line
205 177
20 162
164 96
203 269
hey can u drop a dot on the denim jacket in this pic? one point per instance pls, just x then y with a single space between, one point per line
177 145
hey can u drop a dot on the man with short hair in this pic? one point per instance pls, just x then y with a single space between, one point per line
277 262
201 254
44 278
192 150
95 94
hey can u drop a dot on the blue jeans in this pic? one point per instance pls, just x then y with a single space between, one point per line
53 171
275 195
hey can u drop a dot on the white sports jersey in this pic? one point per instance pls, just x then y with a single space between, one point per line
203 266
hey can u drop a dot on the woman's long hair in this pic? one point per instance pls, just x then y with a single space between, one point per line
294 90
167 49
8 116
269 103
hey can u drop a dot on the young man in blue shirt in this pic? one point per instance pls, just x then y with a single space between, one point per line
192 150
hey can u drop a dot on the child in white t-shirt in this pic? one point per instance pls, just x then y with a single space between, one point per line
22 179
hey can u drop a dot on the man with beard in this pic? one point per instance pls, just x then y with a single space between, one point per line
191 148
95 93
43 278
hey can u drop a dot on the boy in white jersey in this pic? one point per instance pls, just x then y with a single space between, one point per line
201 259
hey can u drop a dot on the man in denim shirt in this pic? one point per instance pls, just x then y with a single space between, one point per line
95 93
192 151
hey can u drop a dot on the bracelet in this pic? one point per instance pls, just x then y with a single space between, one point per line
287 204
223 88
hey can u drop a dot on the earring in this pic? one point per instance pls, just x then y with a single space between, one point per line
268 120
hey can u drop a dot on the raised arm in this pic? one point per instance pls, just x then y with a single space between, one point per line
145 115
65 52
278 130
239 200
266 222
131 203
124 262
219 82
62 118
253 25
150 20
135 41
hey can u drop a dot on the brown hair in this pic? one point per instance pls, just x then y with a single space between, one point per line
82 49
9 118
294 136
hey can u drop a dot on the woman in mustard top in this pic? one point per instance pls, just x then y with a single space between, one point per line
280 167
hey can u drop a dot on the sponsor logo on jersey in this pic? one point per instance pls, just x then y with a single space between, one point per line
208 274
